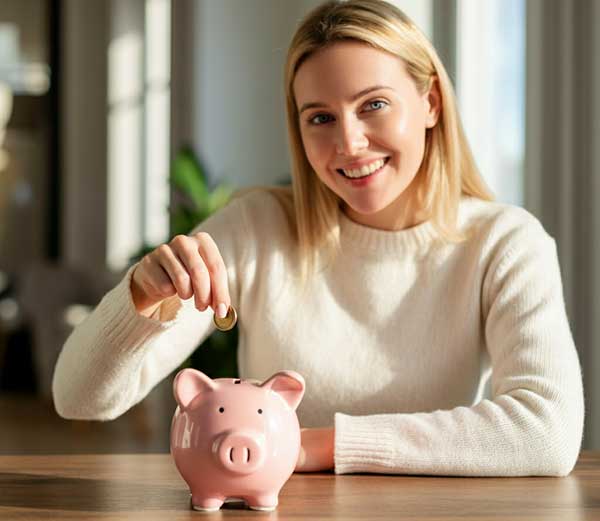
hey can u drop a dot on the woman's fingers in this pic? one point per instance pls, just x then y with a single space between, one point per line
157 284
218 273
186 266
205 269
187 251
176 271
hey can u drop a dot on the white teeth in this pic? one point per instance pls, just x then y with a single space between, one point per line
365 170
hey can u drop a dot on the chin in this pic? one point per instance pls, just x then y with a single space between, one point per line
368 207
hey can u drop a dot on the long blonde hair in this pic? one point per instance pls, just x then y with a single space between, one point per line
448 169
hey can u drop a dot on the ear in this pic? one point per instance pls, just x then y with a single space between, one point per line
433 103
188 384
287 384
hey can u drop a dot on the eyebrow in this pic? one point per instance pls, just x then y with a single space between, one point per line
320 104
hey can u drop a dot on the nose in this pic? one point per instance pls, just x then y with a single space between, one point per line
240 452
350 137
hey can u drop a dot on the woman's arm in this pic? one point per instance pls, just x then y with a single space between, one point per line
115 357
534 423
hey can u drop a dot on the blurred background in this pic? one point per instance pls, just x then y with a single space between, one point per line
124 122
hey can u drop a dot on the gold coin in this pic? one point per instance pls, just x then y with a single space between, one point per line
228 322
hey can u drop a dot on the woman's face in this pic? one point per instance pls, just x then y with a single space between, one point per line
346 128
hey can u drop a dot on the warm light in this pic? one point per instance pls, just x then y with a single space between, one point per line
138 135
491 90
125 69
158 99
125 91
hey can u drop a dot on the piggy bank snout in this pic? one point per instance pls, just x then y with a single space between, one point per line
240 452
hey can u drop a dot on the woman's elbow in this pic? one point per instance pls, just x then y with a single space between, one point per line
562 458
72 406
560 448
557 465
70 411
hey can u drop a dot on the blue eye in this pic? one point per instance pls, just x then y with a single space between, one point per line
377 101
313 122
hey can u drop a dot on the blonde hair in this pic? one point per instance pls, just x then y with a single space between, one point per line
448 169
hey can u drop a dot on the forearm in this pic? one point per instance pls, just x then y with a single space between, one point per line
519 435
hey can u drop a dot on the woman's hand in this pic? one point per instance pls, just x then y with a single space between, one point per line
316 452
186 266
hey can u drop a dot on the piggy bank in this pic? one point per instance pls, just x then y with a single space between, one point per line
233 438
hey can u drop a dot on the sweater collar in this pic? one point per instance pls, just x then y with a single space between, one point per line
367 240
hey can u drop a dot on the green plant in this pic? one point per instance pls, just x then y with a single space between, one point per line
193 201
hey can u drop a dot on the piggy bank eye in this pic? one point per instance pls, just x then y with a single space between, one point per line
221 409
259 411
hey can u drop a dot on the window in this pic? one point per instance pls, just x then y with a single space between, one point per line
138 128
491 90
157 110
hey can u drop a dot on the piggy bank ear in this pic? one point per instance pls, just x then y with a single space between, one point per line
188 384
289 385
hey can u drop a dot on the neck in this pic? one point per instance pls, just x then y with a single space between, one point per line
403 213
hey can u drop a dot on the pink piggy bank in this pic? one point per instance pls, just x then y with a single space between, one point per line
236 438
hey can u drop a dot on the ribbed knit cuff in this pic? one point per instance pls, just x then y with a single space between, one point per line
363 444
126 329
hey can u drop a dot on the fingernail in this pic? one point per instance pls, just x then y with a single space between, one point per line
222 310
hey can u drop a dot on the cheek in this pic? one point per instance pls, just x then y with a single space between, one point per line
397 129
406 135
316 149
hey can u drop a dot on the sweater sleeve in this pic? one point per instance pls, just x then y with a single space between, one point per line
533 424
114 358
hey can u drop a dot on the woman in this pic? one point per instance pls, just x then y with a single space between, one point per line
386 276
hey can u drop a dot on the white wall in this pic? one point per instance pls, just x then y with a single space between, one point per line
421 13
238 114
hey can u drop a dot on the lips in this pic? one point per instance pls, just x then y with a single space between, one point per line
341 172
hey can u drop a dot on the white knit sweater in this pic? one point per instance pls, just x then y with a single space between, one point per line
395 340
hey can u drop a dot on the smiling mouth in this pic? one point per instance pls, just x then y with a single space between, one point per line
341 172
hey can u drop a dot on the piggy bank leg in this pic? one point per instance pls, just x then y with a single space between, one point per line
264 502
206 504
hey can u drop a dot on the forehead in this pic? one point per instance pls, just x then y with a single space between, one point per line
344 68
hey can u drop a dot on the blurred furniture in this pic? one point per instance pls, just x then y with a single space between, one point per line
29 198
148 487
16 365
54 299
6 104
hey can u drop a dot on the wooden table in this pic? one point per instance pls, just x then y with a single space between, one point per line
148 487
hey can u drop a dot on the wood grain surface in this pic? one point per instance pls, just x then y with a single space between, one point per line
148 487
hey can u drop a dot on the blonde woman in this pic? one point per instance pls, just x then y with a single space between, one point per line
387 276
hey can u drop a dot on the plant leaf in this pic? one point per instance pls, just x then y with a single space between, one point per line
219 197
188 176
